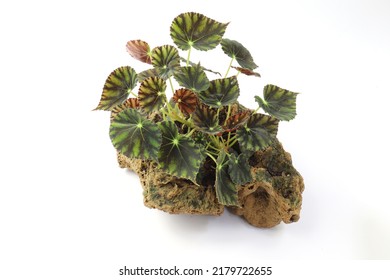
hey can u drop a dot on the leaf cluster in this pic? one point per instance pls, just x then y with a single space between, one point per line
201 124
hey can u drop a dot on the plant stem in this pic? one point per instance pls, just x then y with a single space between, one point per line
188 56
170 82
212 157
228 113
191 132
133 94
230 65
233 143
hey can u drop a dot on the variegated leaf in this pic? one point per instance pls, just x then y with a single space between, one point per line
196 30
258 133
153 72
221 92
186 100
135 136
278 102
151 94
237 51
239 168
117 87
140 50
192 78
129 103
165 59
225 189
206 119
179 155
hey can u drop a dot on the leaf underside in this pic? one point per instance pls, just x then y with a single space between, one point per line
186 100
206 120
278 102
221 92
135 136
237 51
193 78
246 71
117 87
236 121
197 31
140 50
239 169
165 59
258 133
179 155
151 94
225 189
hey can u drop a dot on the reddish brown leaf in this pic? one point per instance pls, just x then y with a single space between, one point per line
246 71
129 103
186 100
139 50
237 120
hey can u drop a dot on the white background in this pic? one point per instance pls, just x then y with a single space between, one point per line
68 212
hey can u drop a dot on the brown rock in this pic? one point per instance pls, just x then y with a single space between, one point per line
171 194
275 194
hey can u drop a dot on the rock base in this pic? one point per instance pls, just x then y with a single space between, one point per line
274 195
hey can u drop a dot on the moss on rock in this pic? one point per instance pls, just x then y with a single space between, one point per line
274 195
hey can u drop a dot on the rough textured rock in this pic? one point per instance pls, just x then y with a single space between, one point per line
172 194
275 194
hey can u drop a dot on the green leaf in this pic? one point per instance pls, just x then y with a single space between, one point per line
165 59
237 51
194 64
135 136
197 31
147 74
225 189
206 120
186 100
192 78
246 71
278 102
129 103
221 92
140 50
239 169
117 87
179 155
151 94
258 133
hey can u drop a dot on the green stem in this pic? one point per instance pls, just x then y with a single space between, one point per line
188 56
133 94
170 82
212 157
255 111
233 143
215 141
230 65
212 147
191 132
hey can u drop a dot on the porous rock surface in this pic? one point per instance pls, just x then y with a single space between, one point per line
171 194
274 195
